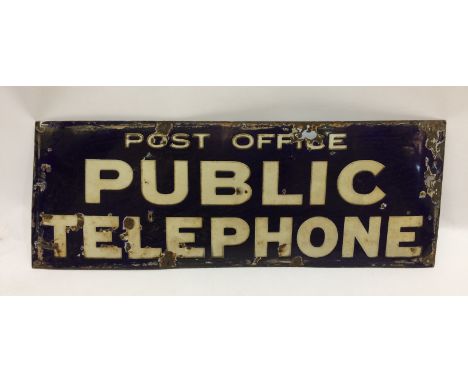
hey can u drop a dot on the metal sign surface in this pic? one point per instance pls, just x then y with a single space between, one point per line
132 195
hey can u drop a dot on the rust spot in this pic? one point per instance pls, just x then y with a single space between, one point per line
57 250
296 261
257 125
282 249
127 247
42 244
41 182
309 134
46 167
79 222
49 245
45 217
40 185
434 133
39 251
184 245
128 223
316 142
164 128
104 229
40 127
256 260
435 138
168 260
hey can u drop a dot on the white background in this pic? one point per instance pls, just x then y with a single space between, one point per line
20 107
242 42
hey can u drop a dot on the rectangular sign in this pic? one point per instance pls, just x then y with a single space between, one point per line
139 195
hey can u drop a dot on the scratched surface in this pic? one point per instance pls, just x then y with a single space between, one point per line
412 152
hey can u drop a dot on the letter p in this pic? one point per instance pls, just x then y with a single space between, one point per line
94 183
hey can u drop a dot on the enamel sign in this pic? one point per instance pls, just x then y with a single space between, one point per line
143 195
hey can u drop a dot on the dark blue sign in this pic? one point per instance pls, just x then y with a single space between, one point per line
133 195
